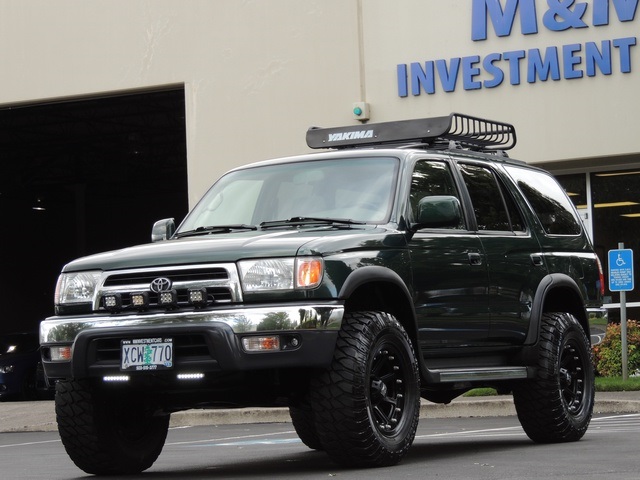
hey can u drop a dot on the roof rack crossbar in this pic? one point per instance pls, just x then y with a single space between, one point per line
471 132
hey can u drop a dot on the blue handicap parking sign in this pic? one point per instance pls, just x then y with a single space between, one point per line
621 270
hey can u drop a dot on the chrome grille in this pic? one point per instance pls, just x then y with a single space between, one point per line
220 282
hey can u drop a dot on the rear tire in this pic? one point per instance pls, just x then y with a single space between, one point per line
366 405
557 406
107 435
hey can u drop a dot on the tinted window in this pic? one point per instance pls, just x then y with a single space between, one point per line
488 205
548 200
494 207
431 177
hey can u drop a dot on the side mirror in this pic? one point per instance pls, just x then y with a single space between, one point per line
163 229
439 211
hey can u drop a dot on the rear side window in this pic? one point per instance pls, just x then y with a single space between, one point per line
549 202
494 208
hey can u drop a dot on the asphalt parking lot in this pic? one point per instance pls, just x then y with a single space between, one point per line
40 415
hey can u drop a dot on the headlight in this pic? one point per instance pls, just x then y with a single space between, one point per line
280 273
76 287
6 368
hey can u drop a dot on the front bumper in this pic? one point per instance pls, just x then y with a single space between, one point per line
206 341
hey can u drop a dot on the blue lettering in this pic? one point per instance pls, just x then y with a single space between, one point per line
448 77
422 78
625 10
401 73
491 69
469 72
570 60
502 20
594 57
542 68
560 17
625 44
514 65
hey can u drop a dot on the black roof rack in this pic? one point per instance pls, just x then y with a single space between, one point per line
471 132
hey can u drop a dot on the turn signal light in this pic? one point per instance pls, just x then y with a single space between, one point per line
261 344
309 272
60 354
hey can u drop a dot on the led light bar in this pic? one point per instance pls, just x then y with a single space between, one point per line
115 378
190 376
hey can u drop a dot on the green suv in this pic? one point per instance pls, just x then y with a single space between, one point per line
412 260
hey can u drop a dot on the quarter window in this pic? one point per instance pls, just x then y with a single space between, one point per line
551 205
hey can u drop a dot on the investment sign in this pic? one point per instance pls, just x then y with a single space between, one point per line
604 56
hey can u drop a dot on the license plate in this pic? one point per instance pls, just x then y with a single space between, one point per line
143 354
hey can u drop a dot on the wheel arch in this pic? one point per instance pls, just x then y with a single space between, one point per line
378 288
556 293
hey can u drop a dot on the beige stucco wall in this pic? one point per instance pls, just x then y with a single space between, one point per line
258 73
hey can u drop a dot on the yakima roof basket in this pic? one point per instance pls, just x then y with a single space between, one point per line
470 132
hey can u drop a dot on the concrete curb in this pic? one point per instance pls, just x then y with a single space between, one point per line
40 416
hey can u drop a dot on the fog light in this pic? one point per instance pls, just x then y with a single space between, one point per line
60 354
261 344
140 300
7 368
112 301
168 299
116 378
190 376
198 297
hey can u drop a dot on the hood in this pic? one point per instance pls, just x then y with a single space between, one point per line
228 247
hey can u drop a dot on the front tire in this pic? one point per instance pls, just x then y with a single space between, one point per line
367 404
108 435
557 406
303 421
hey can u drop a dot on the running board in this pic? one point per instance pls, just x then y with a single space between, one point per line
481 374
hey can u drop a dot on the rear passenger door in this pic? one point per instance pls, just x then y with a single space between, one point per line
514 261
449 272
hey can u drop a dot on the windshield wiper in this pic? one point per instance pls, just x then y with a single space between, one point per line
215 229
298 221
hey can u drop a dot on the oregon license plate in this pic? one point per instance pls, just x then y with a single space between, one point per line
146 354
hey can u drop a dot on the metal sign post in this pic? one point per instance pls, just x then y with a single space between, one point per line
621 280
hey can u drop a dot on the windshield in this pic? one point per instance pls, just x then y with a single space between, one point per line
359 189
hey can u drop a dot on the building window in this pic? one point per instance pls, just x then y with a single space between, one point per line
611 200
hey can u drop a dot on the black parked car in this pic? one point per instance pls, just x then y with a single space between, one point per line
413 260
21 373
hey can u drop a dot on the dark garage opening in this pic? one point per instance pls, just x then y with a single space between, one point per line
80 177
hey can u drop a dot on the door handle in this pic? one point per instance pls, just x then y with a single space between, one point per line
536 259
475 258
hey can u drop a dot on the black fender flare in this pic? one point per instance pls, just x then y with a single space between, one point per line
374 273
551 281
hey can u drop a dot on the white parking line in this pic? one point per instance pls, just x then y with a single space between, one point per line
28 443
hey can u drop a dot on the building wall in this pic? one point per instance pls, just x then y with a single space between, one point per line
258 73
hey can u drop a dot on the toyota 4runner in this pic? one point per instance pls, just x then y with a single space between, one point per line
413 260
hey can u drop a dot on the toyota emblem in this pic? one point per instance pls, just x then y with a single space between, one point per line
160 284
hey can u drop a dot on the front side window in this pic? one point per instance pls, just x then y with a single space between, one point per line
548 200
358 189
432 178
